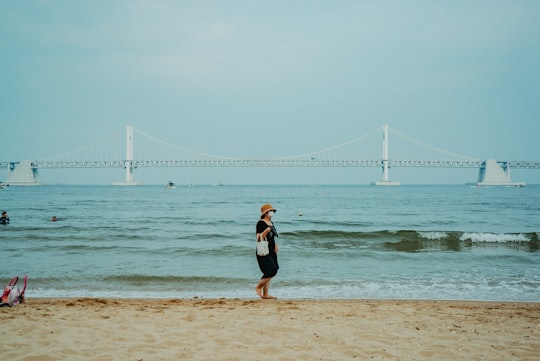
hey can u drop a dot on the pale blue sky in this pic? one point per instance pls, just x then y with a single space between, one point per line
263 79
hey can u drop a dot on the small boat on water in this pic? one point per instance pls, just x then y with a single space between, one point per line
170 185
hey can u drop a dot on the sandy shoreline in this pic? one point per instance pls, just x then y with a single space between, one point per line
239 329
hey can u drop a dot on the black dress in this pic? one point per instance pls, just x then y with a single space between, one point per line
268 264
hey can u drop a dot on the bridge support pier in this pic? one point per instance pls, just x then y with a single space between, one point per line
128 164
496 174
22 174
385 181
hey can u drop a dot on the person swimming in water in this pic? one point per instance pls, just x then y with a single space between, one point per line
5 218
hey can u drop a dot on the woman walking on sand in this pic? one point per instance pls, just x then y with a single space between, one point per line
268 264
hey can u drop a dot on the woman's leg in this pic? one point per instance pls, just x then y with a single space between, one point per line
260 286
262 289
265 291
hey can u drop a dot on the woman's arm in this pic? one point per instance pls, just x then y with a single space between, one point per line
264 233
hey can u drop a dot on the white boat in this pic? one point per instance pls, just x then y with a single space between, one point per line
170 185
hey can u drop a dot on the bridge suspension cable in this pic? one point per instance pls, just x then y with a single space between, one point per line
181 148
433 148
101 149
342 145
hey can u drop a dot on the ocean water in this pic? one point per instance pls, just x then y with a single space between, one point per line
336 242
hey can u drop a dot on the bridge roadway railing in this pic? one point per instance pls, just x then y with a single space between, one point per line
45 164
522 164
307 163
437 163
207 163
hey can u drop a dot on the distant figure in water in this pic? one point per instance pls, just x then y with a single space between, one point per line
5 218
53 218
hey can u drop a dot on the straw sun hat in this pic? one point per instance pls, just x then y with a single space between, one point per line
267 207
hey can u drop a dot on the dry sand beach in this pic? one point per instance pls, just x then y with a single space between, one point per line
239 329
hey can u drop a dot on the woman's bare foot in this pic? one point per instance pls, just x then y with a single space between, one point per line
269 297
259 292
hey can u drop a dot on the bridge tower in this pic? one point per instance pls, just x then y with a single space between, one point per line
385 161
128 162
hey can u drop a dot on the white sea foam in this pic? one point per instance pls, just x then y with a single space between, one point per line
495 237
433 235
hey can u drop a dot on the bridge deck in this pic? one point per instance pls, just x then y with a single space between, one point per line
43 164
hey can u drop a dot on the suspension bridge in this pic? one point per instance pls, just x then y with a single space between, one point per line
491 172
